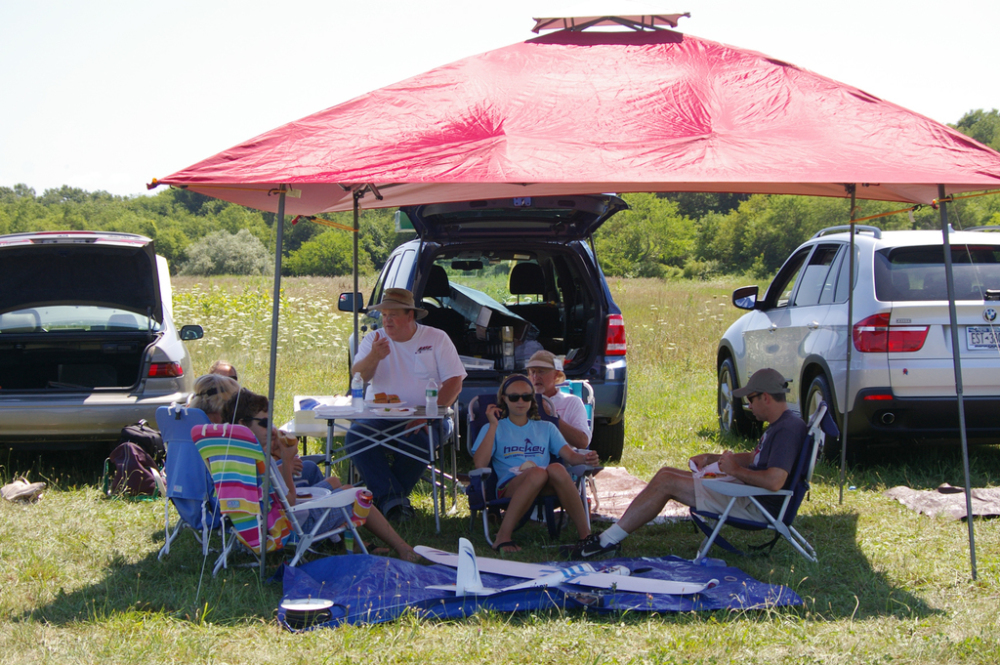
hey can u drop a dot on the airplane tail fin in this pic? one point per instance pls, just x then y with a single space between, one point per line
468 581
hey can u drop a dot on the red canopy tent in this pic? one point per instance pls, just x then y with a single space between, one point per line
588 112
579 112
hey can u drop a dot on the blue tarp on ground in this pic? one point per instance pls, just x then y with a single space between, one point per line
371 589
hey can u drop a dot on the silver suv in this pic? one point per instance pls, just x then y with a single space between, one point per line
902 376
87 344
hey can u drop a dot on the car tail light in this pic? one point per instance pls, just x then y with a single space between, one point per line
878 397
875 335
165 371
615 344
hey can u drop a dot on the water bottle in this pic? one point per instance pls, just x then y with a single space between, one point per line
349 541
432 398
357 393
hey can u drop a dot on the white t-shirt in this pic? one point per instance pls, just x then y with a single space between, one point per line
409 365
571 409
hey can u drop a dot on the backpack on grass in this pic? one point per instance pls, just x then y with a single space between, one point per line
131 472
147 438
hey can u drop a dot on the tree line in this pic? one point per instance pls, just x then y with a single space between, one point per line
674 235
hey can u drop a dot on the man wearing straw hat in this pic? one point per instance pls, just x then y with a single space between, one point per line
400 359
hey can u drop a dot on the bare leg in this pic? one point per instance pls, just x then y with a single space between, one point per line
522 490
380 527
562 483
668 483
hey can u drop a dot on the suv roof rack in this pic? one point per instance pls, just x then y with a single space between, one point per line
858 228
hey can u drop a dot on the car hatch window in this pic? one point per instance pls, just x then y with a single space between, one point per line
918 273
815 277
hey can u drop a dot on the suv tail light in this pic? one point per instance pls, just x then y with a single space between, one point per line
615 344
165 371
875 335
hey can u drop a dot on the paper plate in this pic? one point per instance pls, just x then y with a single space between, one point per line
382 405
306 604
310 492
393 411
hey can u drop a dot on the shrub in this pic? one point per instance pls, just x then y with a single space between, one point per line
222 253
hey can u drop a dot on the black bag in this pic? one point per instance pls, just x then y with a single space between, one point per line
130 471
146 438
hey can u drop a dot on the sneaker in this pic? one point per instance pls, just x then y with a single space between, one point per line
591 548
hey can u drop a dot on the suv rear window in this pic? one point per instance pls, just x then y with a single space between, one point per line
918 273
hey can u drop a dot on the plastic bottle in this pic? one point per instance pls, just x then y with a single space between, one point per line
349 541
357 393
432 398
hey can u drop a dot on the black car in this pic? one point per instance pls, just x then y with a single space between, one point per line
526 265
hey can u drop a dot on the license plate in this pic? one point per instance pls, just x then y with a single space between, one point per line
982 337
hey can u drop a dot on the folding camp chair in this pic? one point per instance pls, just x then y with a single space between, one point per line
237 465
189 485
583 390
481 491
821 425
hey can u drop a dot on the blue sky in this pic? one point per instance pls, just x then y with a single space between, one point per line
111 93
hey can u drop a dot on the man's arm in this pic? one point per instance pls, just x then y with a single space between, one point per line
771 479
372 356
573 436
449 391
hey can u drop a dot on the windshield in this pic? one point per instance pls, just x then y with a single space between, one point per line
918 273
74 318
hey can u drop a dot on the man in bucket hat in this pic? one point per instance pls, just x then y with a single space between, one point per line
769 466
400 358
546 371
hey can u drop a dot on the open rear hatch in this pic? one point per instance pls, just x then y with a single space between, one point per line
77 311
551 217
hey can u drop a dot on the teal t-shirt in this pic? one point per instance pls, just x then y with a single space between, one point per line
537 441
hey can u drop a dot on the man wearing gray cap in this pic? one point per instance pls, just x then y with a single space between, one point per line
769 466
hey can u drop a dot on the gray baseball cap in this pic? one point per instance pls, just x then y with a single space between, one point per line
765 380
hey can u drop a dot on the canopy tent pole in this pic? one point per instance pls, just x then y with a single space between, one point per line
853 189
272 373
358 193
957 359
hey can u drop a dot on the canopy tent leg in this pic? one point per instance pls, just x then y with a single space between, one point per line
850 345
957 359
272 371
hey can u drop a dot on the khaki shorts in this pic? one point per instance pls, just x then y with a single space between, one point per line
712 502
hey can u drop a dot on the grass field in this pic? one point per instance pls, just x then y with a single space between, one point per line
79 579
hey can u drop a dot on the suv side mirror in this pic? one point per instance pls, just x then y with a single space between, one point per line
347 300
191 332
745 297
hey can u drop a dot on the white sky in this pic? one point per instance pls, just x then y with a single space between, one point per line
107 94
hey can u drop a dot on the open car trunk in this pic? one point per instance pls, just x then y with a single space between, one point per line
71 362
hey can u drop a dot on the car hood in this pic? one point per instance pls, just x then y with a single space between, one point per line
79 268
554 217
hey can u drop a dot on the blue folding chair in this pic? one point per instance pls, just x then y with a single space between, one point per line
482 489
821 425
189 484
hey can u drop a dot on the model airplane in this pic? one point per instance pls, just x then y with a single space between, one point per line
616 578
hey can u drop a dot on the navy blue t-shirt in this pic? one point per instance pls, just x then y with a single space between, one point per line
780 447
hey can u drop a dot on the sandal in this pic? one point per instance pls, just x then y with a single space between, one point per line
499 548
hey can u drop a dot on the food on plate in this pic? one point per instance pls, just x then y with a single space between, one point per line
383 398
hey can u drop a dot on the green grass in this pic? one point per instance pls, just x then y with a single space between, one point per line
79 579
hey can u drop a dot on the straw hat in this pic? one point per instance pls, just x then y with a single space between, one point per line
399 299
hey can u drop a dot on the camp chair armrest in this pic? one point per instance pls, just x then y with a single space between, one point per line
731 488
583 470
481 473
340 499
